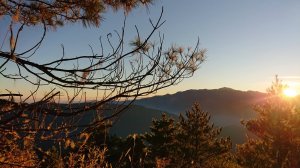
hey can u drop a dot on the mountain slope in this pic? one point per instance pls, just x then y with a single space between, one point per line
225 105
136 119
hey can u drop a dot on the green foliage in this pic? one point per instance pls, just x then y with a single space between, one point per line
197 139
191 142
277 131
162 136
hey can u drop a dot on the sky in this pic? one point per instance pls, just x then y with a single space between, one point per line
248 42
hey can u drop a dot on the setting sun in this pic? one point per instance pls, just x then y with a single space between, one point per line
289 92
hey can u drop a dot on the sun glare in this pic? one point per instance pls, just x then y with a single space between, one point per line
289 92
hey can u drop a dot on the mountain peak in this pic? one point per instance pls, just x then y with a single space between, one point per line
225 88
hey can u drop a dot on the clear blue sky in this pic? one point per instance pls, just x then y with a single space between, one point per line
248 42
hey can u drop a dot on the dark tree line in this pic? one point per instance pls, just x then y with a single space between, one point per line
187 141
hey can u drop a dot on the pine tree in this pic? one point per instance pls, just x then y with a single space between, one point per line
277 133
161 139
198 140
190 142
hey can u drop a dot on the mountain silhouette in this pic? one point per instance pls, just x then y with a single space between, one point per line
226 106
223 101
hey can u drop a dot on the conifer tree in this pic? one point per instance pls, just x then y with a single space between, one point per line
277 133
198 140
161 138
190 142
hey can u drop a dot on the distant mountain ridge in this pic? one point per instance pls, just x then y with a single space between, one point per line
215 101
226 106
